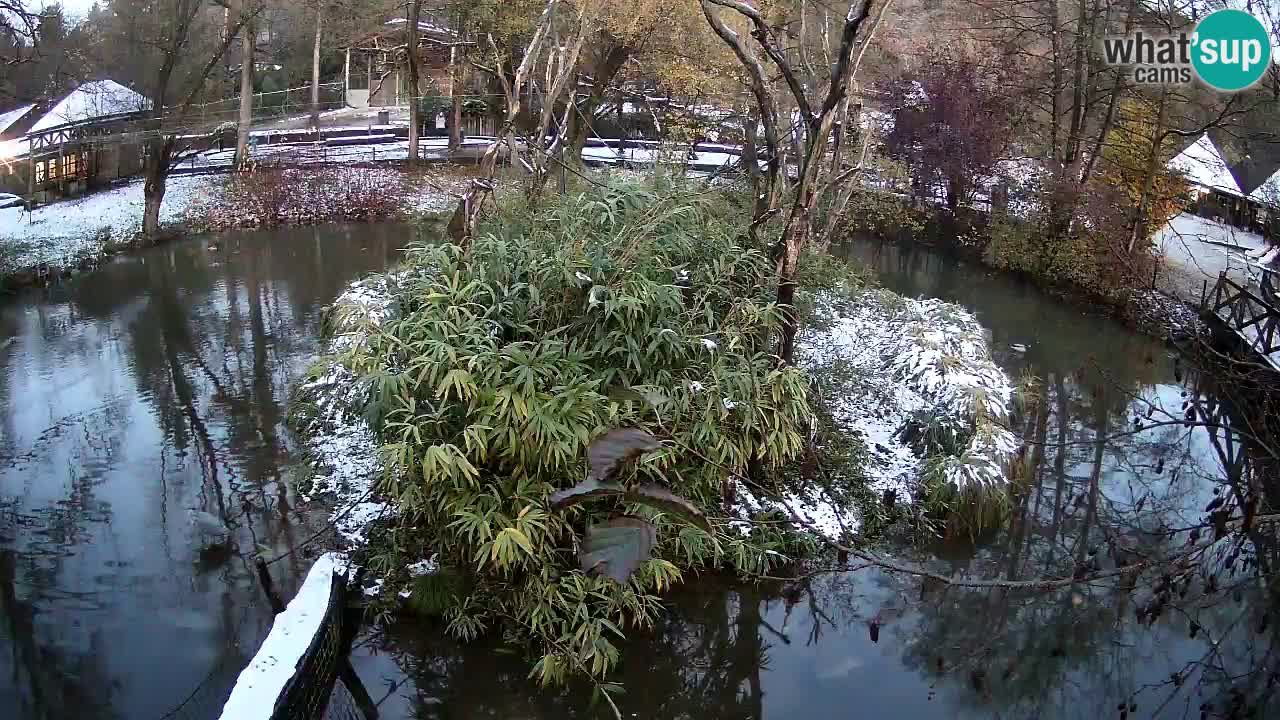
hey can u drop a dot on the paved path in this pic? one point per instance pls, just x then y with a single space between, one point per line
1197 251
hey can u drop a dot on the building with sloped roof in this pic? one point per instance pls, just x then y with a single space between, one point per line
56 154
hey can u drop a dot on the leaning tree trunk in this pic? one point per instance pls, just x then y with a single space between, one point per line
415 12
156 173
795 238
603 75
315 70
246 93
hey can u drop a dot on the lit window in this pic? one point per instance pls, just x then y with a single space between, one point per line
53 169
70 165
39 172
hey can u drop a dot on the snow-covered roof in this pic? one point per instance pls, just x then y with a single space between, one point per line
102 98
13 116
1203 165
1269 191
12 149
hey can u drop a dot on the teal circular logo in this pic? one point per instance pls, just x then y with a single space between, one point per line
1232 50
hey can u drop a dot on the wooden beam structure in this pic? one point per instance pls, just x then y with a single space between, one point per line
1253 317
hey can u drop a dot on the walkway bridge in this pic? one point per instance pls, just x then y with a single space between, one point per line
1248 316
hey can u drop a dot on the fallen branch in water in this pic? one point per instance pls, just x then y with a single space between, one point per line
1038 584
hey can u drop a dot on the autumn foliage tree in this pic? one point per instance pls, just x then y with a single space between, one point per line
1127 167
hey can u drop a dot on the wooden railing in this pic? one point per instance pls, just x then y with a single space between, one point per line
1251 315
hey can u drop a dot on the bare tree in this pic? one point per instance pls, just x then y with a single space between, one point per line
462 226
411 61
315 66
185 59
815 106
247 52
19 26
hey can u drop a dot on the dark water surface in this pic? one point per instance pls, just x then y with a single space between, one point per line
155 385
871 644
158 384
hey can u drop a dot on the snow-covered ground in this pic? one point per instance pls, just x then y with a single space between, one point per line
342 447
379 146
1197 250
64 233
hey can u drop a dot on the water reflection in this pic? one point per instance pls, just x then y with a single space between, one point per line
1112 479
129 397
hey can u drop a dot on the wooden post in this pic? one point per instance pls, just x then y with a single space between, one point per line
268 587
31 177
62 167
346 79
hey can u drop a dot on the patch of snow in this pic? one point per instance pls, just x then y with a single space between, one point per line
595 297
821 515
910 359
709 344
876 121
276 661
430 566
345 450
63 233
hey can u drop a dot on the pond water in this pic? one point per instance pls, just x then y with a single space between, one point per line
158 384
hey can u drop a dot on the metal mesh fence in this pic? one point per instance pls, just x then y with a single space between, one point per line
343 704
274 104
306 696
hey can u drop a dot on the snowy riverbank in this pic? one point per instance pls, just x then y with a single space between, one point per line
72 235
341 446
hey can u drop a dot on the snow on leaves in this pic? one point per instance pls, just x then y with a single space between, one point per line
910 359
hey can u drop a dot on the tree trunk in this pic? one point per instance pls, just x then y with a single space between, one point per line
795 237
156 175
247 38
315 70
603 74
415 121
455 98
1138 225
